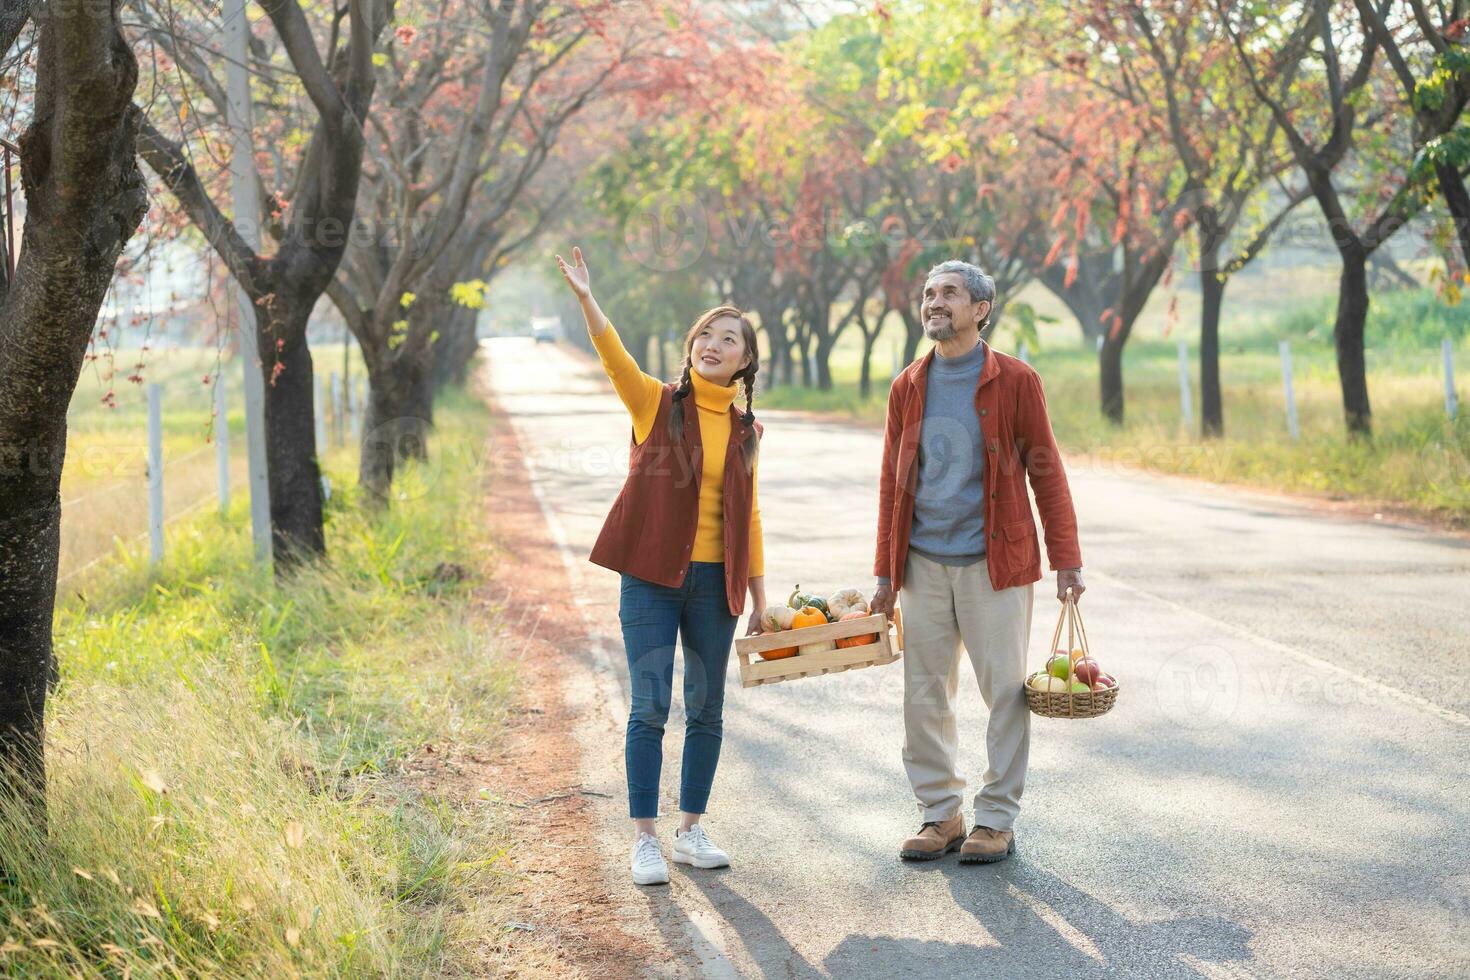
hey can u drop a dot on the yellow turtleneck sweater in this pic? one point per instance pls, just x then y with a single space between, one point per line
640 394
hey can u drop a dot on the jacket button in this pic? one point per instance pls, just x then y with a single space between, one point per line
982 411
992 495
992 447
995 534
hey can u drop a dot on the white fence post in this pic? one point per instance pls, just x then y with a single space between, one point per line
222 442
1186 409
1451 403
1023 352
1100 340
155 473
1291 423
339 427
359 415
235 25
319 406
350 391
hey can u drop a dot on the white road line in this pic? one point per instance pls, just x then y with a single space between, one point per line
600 654
1317 663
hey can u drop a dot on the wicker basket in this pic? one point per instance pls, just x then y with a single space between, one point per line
1052 704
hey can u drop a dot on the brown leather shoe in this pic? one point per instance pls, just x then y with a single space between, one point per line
934 840
986 844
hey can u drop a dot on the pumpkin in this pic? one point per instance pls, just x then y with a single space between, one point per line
860 640
800 600
844 601
777 619
812 616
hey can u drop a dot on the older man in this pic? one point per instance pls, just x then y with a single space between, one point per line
966 426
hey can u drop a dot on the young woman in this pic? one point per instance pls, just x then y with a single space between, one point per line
685 533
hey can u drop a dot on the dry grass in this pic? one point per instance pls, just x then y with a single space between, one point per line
252 779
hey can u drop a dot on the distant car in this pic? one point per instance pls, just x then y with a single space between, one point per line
545 333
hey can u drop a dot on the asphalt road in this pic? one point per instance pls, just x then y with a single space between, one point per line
1281 790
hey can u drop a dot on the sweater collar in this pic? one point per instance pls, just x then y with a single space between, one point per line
989 369
708 395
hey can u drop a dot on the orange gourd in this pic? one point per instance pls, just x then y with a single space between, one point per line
808 616
861 640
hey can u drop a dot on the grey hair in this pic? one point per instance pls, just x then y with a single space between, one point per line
980 286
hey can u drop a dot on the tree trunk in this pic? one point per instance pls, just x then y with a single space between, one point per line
1452 186
1347 336
84 199
1092 292
824 362
819 342
865 373
420 405
913 332
1212 410
1110 371
772 322
293 473
393 431
455 349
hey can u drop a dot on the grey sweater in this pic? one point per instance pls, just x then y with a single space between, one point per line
949 498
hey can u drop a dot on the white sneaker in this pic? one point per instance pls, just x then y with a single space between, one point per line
648 862
694 847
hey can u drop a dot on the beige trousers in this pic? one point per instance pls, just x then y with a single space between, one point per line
944 606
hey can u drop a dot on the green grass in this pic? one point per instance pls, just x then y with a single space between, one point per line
1417 459
236 768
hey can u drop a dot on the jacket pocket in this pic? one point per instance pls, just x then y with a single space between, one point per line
1021 538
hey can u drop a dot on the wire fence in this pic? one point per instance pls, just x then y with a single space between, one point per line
165 458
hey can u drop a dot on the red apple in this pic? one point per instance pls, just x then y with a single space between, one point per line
1087 671
1103 682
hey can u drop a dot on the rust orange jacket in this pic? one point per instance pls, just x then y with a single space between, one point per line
1016 430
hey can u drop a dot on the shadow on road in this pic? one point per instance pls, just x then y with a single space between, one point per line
1026 922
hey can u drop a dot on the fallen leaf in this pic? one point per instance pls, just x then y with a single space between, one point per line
295 833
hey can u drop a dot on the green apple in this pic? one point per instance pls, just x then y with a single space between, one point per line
1080 688
1059 666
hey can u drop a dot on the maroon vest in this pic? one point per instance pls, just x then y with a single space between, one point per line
649 533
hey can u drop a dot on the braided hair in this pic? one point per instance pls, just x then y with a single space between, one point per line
745 376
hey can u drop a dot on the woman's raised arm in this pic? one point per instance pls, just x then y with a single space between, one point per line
638 391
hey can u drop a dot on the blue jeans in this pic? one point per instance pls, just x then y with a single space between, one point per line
653 616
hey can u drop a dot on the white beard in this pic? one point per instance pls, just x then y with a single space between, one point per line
946 332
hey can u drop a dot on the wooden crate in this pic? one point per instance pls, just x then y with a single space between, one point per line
754 670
